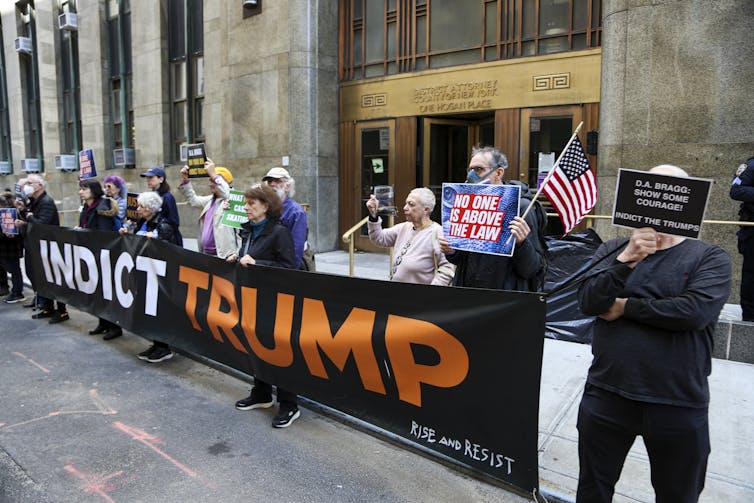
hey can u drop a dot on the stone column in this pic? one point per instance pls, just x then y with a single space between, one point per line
677 81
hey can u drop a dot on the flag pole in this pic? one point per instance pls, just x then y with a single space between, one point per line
549 175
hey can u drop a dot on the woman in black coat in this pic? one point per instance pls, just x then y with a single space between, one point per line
98 213
266 241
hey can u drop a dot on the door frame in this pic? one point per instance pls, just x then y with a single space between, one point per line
576 113
427 122
363 242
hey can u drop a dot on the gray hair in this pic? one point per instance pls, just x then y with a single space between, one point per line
497 158
37 179
670 170
426 197
151 201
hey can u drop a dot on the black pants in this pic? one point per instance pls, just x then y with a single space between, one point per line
284 396
12 266
676 438
746 247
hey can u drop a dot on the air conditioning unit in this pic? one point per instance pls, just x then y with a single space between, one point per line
5 168
65 162
68 21
184 152
30 165
23 44
124 156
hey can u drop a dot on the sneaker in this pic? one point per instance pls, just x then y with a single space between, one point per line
44 313
13 298
144 355
160 354
285 416
59 318
255 401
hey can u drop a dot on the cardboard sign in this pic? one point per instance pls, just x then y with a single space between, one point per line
669 204
196 158
235 215
132 206
477 217
86 164
8 220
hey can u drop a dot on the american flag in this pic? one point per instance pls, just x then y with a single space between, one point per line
571 187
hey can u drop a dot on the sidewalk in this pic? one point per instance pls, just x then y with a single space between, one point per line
730 473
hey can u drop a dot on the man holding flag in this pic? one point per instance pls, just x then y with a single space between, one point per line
524 271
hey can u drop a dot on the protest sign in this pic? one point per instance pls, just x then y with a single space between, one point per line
8 220
235 215
669 204
420 370
86 164
132 206
477 217
196 158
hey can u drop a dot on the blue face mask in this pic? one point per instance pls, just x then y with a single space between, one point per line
472 177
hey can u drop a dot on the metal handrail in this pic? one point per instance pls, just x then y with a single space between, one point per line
348 238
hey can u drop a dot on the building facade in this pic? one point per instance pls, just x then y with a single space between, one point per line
352 94
134 80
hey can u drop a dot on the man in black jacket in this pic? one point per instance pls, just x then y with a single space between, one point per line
522 271
657 304
742 189
41 209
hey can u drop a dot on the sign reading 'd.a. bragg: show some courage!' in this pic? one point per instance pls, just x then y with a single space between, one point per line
669 204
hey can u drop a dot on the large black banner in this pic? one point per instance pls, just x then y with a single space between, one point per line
455 370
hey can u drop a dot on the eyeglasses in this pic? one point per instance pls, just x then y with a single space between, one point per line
399 258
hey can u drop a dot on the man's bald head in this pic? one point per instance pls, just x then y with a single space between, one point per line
670 170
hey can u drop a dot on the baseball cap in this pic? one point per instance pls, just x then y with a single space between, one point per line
225 173
155 171
277 172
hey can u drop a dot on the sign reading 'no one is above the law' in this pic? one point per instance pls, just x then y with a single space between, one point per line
669 204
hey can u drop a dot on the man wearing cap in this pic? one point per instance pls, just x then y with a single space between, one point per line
293 216
214 237
157 181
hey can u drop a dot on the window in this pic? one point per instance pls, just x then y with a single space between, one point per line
30 85
186 60
68 80
121 81
385 37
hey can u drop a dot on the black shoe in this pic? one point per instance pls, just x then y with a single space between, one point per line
112 334
255 401
160 354
285 416
144 355
99 329
44 313
59 318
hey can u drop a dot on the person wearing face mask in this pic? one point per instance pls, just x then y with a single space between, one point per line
293 217
523 271
41 209
214 237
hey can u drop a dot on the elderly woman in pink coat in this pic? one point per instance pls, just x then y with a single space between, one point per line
417 257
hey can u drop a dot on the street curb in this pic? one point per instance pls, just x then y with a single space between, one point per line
15 485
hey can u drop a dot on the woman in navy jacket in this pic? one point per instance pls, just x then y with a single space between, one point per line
266 241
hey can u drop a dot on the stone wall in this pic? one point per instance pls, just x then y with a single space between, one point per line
677 89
